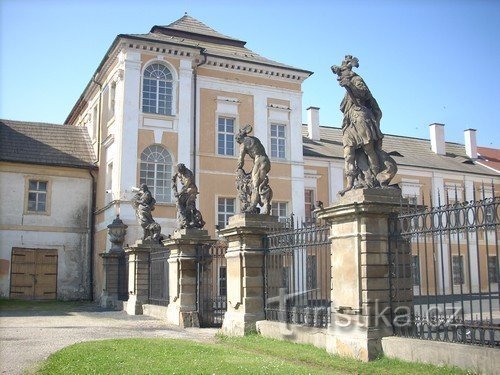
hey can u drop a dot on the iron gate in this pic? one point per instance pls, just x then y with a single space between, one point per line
211 283
158 277
297 273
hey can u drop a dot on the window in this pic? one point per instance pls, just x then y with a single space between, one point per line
37 196
156 172
222 281
111 103
309 202
280 209
109 183
458 269
225 209
157 86
311 272
278 141
225 136
416 270
493 269
94 122
412 200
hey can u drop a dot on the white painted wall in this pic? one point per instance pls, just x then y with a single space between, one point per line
65 229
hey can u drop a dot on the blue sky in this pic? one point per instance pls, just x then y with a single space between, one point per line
424 61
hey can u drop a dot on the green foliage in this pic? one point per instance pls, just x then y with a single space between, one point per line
249 355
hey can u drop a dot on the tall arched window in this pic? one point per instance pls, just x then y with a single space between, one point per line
156 172
157 95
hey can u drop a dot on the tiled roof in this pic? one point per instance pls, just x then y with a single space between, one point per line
192 25
193 33
406 151
47 144
489 157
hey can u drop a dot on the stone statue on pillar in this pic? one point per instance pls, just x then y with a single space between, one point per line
253 187
144 203
188 215
366 164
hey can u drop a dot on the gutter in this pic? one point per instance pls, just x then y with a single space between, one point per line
91 234
195 112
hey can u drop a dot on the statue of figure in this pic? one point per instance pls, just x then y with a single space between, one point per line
253 187
366 164
144 203
188 215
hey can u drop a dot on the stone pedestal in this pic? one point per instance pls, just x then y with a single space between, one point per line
182 309
111 293
360 271
245 267
138 275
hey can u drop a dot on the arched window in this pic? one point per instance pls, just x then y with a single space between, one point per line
157 95
156 172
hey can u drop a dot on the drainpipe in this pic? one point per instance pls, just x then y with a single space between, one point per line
94 191
92 236
195 112
99 111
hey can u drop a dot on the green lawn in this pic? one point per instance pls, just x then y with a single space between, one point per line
44 306
249 355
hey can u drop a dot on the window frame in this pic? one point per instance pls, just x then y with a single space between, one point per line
174 81
48 195
217 212
281 218
493 278
460 276
167 180
235 130
285 138
312 203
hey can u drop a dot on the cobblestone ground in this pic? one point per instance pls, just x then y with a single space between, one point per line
27 337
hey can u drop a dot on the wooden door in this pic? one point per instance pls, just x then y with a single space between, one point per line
33 274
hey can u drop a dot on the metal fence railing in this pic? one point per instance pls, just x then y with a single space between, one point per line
452 257
298 273
158 277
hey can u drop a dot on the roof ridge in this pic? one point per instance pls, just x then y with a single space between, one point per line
190 25
396 135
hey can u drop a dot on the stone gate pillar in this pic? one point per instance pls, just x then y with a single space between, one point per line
360 292
138 275
182 263
245 272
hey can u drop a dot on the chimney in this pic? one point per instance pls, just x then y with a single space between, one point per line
313 123
437 138
470 143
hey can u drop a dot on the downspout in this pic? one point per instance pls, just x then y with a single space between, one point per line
94 192
99 111
195 112
92 236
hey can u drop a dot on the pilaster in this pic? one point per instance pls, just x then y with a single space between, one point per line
185 111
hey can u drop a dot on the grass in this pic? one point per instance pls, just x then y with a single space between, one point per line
248 355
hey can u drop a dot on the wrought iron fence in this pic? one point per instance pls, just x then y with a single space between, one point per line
123 278
452 261
212 283
158 277
297 273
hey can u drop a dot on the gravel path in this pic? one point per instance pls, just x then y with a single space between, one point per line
27 337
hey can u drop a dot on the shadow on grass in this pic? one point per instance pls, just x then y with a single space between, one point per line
21 308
